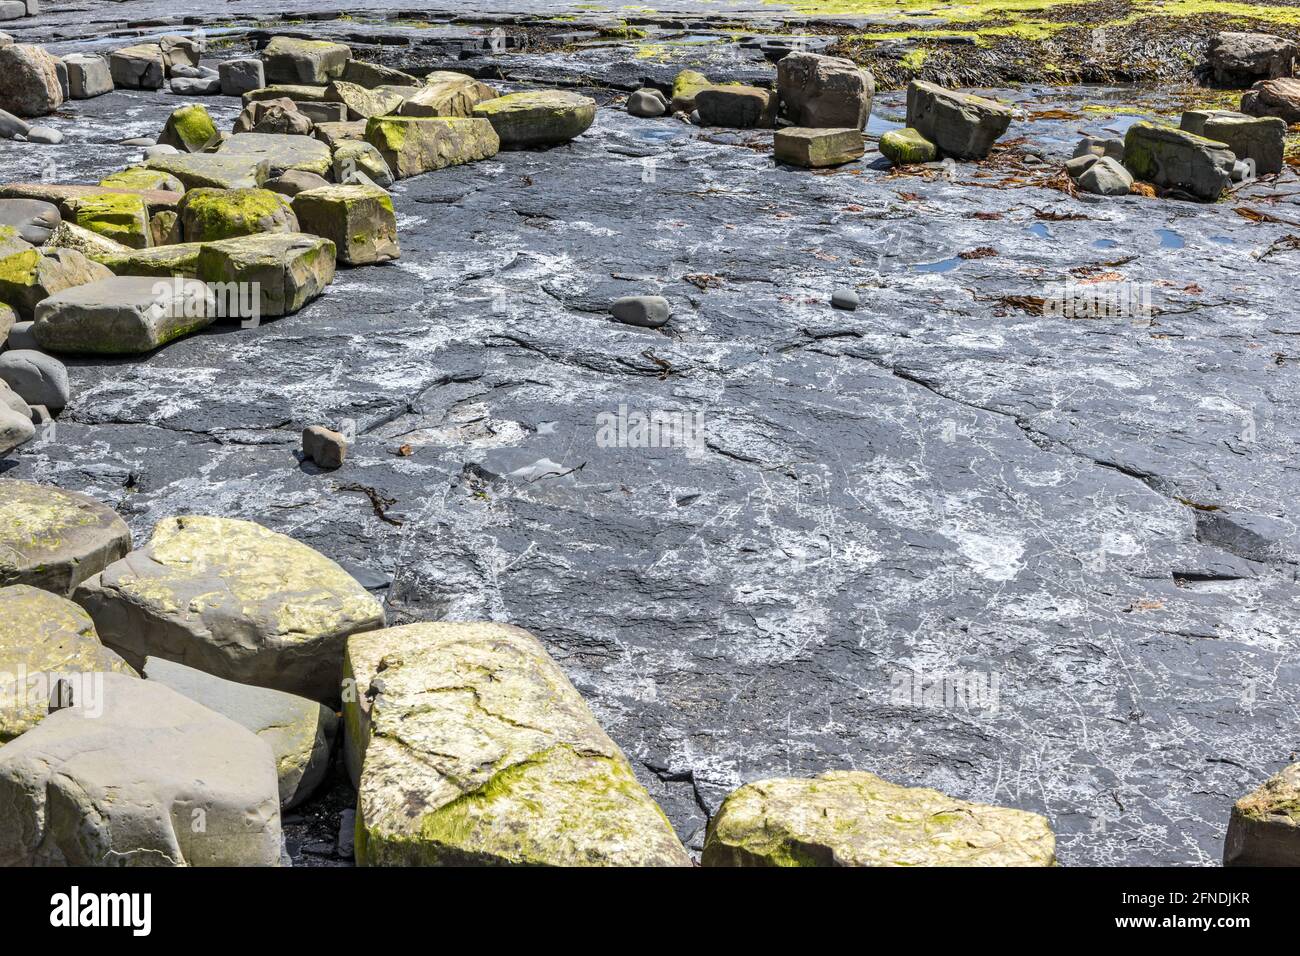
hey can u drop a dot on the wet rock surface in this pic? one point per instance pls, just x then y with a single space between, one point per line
1084 524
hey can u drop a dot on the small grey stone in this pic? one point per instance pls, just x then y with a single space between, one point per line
140 141
20 337
323 446
39 378
44 135
845 298
647 103
161 149
647 311
1076 166
1100 146
196 86
1106 177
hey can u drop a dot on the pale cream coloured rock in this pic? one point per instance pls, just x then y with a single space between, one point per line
470 746
55 539
43 636
299 731
134 774
233 599
447 94
851 818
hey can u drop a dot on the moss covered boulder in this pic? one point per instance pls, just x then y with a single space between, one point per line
139 179
42 636
300 732
1264 829
122 217
362 103
359 220
1176 159
818 148
287 270
447 94
539 118
412 145
857 819
960 125
280 151
55 539
208 214
122 315
30 275
217 170
233 599
291 60
189 129
686 84
468 745
905 146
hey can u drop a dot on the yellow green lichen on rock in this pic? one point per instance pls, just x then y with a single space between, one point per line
538 118
287 270
180 259
359 220
122 217
189 128
43 636
685 85
412 145
904 146
208 214
233 599
846 818
139 178
469 745
1264 829
54 539
29 276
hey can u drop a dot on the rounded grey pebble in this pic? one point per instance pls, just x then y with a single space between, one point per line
845 299
20 337
647 311
44 135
